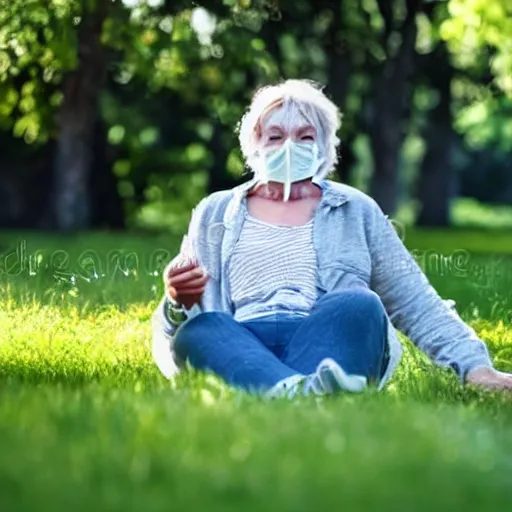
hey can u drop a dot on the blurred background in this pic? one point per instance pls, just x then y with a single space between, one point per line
121 114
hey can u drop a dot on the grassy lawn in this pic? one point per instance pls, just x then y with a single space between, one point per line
88 423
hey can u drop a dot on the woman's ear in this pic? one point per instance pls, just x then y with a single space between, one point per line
257 132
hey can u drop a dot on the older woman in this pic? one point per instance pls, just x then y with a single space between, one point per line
293 284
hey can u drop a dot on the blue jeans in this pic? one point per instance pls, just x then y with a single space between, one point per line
349 327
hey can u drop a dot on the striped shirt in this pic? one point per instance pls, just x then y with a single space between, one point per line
272 269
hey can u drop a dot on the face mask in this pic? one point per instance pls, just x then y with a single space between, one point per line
294 161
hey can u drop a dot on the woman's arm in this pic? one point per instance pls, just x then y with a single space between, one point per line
415 307
163 331
167 317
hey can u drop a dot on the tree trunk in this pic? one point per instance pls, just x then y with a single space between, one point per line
218 176
347 159
107 210
437 179
270 34
77 116
339 69
391 97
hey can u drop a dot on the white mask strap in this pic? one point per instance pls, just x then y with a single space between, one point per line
288 182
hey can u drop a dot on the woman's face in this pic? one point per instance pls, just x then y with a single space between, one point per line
285 122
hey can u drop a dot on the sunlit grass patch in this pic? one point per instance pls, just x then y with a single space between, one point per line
50 342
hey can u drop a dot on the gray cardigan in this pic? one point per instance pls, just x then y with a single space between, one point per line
356 245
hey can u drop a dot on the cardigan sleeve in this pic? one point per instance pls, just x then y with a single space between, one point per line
414 306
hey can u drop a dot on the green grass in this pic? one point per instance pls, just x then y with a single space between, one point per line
88 423
472 240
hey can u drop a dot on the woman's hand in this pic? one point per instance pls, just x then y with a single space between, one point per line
184 278
185 284
489 378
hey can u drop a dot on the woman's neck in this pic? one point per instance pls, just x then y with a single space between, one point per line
274 191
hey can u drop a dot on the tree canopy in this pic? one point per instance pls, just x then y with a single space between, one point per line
124 111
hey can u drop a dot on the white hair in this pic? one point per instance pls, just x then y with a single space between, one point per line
314 105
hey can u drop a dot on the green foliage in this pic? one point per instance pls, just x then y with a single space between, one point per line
470 213
180 73
181 51
481 29
487 122
37 46
200 64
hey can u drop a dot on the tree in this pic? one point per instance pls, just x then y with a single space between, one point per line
436 183
56 52
123 107
390 99
66 58
77 118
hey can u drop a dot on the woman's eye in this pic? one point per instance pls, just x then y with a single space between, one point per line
274 137
307 137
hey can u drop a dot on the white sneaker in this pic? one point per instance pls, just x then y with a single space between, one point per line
328 378
287 388
333 378
296 385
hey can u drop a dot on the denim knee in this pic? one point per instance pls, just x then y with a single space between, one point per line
194 330
360 298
